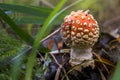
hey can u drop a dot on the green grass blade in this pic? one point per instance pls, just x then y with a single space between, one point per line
22 34
116 75
59 14
17 61
32 10
31 58
49 21
35 20
66 9
30 20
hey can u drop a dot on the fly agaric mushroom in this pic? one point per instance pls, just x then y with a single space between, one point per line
80 31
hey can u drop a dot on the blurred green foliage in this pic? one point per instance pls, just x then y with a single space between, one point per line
8 50
8 45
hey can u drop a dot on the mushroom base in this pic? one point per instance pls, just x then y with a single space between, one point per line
81 58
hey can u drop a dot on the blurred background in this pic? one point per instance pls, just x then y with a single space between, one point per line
30 15
103 11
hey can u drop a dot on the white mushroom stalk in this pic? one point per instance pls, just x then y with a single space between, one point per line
80 31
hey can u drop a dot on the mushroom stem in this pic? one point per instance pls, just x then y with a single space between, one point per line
82 57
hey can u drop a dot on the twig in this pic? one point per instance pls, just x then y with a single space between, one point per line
55 59
102 75
42 58
61 51
99 58
59 68
48 4
58 72
55 32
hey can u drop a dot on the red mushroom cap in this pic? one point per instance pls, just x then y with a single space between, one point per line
80 29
